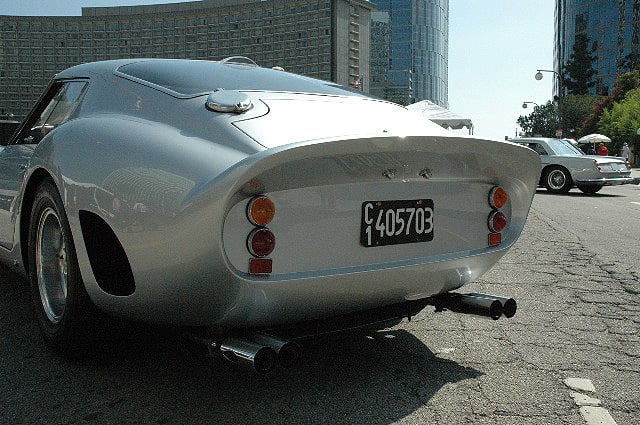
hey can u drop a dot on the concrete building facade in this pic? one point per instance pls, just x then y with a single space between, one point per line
326 39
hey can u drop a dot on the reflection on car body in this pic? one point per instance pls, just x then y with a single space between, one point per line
287 205
565 166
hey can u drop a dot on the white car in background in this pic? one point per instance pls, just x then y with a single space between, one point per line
565 166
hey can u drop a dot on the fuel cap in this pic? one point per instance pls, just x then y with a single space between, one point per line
229 101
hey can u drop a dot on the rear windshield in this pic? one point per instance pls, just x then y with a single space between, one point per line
564 147
192 78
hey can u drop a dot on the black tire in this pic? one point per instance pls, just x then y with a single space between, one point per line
63 309
590 189
557 179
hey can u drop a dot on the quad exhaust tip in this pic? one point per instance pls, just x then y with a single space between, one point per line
486 305
263 352
260 352
248 354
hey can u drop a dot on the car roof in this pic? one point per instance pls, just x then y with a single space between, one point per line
190 78
533 139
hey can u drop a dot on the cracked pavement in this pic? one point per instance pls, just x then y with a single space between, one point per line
578 317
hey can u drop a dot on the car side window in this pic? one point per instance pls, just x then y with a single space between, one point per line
57 108
538 148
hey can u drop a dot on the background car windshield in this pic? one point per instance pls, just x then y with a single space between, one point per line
200 77
563 147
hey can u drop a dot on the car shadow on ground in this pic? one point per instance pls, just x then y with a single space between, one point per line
150 374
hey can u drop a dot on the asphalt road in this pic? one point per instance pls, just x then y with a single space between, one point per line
607 223
577 288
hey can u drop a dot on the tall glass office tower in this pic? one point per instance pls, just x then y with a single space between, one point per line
612 26
409 50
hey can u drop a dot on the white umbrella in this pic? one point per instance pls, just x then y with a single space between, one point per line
594 138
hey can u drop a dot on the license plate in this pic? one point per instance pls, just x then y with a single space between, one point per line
396 222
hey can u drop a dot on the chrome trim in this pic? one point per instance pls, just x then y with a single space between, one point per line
229 101
240 60
608 181
390 173
426 173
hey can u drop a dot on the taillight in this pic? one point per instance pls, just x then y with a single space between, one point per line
498 220
261 241
495 239
628 164
498 197
260 265
261 211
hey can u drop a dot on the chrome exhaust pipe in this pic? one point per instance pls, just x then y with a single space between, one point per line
288 352
509 305
469 304
249 354
261 352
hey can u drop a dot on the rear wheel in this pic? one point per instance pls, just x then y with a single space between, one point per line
557 180
589 188
63 309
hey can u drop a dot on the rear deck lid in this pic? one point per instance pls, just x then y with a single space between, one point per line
296 118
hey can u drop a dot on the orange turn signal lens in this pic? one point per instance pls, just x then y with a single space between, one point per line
261 211
498 197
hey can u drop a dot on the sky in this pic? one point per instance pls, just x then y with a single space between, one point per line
495 48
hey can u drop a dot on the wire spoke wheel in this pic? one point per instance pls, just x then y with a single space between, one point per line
557 180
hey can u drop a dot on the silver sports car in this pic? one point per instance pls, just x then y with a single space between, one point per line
245 204
565 166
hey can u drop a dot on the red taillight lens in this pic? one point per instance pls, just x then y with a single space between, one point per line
498 197
497 221
261 211
260 266
495 239
261 242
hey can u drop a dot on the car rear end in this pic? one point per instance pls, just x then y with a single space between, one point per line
352 223
347 204
615 171
604 171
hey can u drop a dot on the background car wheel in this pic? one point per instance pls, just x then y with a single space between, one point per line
63 309
557 180
589 188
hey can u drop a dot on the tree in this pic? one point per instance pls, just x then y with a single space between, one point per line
578 73
625 82
543 121
631 61
622 121
575 109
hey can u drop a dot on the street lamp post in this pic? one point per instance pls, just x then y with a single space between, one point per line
524 104
538 77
